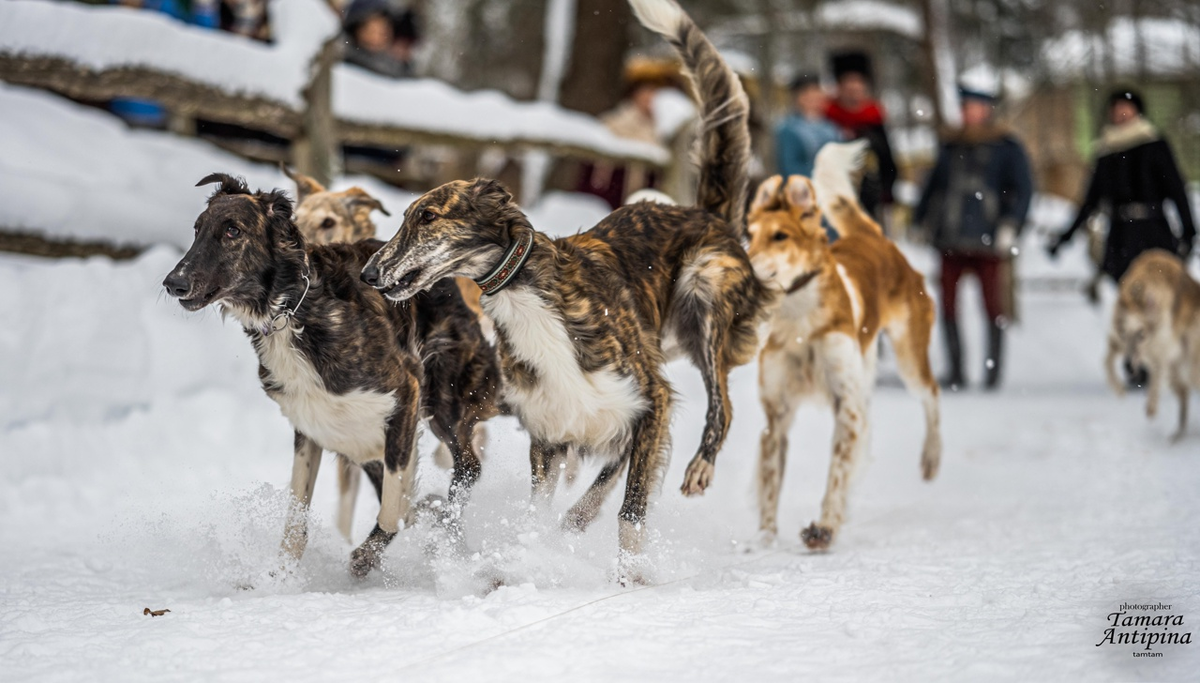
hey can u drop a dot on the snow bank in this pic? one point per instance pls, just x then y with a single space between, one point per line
74 172
138 38
71 171
872 15
143 467
433 106
1170 46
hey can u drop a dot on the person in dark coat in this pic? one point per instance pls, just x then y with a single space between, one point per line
974 206
1135 173
859 115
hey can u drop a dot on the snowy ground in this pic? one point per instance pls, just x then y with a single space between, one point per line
143 467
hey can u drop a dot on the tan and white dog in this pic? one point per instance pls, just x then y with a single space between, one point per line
1156 325
822 339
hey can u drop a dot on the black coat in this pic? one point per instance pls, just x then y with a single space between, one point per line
981 180
1131 184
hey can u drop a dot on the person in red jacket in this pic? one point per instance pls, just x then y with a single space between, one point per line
859 115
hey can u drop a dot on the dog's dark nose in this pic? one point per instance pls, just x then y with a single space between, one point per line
370 275
177 286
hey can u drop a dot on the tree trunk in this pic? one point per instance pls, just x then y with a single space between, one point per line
593 82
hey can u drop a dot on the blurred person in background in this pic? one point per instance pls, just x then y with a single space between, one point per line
380 39
859 115
1134 173
632 119
974 205
805 130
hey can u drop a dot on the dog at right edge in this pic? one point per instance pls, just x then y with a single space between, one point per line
1156 325
822 339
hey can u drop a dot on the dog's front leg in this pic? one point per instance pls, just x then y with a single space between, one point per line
399 476
844 378
306 461
780 407
648 456
1154 389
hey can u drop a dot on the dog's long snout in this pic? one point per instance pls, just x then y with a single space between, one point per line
370 274
177 285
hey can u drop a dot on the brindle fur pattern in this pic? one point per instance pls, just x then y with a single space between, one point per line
822 340
327 217
353 372
586 326
1156 325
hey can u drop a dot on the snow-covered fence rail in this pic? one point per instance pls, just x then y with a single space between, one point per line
290 88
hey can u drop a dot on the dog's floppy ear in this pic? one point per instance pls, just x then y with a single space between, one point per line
276 204
486 191
767 194
279 213
799 193
357 198
305 185
229 184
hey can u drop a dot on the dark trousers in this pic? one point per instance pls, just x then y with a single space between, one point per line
987 268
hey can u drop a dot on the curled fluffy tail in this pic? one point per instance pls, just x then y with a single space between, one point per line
725 110
836 172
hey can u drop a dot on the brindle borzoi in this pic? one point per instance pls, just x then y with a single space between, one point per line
352 372
586 324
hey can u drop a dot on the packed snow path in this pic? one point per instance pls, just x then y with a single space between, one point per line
143 467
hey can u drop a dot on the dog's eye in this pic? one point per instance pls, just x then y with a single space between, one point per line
232 232
428 216
780 236
328 224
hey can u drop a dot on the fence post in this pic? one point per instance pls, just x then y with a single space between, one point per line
316 151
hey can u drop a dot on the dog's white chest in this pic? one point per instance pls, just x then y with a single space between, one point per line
352 424
566 404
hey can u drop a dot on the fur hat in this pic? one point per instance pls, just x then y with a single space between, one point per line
1126 95
851 62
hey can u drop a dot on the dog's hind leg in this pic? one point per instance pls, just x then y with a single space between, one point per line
780 408
844 379
583 512
911 341
349 478
544 460
715 372
305 463
399 478
648 456
1180 387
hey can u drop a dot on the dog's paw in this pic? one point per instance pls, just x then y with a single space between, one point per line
697 478
369 555
362 561
929 466
817 537
632 570
765 539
